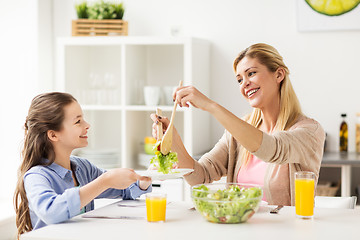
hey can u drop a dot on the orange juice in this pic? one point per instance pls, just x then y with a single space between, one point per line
304 197
155 208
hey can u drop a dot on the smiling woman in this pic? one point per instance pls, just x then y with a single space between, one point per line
267 146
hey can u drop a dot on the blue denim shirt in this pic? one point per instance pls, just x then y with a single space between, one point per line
53 198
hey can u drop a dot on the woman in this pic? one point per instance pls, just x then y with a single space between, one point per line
266 147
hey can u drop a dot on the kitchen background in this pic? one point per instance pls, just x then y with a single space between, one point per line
323 64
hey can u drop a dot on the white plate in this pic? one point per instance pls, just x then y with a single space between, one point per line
176 173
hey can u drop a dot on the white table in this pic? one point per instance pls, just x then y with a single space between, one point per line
184 224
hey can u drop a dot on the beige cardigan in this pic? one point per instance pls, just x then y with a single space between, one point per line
298 149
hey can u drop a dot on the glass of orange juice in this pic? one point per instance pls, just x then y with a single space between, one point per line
304 194
156 207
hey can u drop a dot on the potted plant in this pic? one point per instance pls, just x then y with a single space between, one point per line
99 18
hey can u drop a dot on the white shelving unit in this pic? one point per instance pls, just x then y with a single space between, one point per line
107 76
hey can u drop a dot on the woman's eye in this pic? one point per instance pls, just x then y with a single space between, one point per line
251 73
78 121
239 81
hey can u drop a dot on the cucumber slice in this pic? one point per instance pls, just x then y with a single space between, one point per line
247 215
332 7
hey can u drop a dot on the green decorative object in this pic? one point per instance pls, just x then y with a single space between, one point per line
82 10
100 10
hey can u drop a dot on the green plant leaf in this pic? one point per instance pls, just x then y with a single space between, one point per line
106 10
82 10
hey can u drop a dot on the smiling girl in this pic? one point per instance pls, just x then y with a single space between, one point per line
54 186
267 146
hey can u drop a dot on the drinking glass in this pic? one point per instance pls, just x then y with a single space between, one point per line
168 92
156 207
304 194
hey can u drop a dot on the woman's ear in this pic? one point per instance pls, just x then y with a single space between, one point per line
52 135
280 75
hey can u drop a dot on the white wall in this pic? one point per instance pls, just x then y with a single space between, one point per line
19 83
323 65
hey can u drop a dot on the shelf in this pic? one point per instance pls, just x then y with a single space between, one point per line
164 108
153 108
345 161
107 76
128 40
337 158
102 107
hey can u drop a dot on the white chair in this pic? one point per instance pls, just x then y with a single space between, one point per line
8 229
335 202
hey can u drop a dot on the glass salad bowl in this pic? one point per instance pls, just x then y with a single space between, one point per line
226 202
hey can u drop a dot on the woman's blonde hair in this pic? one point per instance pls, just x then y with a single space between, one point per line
46 112
290 108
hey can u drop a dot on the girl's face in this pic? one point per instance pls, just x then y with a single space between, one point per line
75 128
257 84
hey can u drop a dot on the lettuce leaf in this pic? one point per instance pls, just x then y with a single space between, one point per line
162 162
232 205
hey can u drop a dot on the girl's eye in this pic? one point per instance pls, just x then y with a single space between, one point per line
78 121
239 81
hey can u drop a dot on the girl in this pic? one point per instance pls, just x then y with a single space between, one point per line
54 186
270 144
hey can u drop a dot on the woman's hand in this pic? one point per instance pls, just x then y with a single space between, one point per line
121 178
156 119
189 94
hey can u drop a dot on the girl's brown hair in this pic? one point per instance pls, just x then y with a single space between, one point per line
290 108
46 113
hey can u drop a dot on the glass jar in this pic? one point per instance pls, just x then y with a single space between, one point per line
357 133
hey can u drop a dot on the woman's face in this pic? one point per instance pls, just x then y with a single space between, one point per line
257 84
75 128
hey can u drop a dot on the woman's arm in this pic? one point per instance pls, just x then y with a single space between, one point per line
303 143
247 135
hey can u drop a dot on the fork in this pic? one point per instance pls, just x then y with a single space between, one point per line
277 209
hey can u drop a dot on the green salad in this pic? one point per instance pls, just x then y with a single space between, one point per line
231 205
163 163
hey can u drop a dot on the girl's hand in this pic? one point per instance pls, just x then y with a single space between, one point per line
121 178
144 184
156 119
189 94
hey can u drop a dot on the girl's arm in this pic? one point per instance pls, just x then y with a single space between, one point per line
92 190
119 178
51 204
92 172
